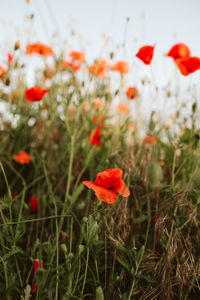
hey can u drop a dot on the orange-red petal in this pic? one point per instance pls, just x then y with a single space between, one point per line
102 194
145 54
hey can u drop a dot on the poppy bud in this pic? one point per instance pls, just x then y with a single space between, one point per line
17 45
154 173
80 249
63 248
99 293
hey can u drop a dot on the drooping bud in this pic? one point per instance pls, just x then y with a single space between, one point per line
17 45
154 173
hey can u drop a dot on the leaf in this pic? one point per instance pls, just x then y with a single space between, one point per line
11 253
141 219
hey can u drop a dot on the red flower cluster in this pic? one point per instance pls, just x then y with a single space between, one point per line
35 93
107 184
77 55
22 157
121 66
100 68
71 65
186 64
38 48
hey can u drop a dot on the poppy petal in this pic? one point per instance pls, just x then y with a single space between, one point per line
109 178
122 189
102 194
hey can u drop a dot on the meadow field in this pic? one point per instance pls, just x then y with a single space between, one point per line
97 199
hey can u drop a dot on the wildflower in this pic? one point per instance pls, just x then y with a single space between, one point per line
10 57
35 93
98 119
36 265
77 55
155 218
179 50
95 136
39 48
121 66
107 184
188 65
71 65
2 71
150 140
98 103
100 68
145 54
122 107
22 157
34 204
132 92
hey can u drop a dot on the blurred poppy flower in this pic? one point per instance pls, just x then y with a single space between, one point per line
107 184
36 265
35 93
150 140
2 71
71 65
122 107
132 92
48 72
95 136
38 48
10 57
100 68
98 119
77 55
121 66
34 204
98 103
179 50
145 54
22 157
155 218
188 65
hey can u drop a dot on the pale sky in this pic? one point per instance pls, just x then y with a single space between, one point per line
160 22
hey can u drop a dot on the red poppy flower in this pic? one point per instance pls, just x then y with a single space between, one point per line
150 140
71 65
179 50
35 93
10 57
107 184
100 68
36 265
98 119
22 157
132 92
188 65
145 54
95 136
34 204
121 66
2 71
38 48
77 55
